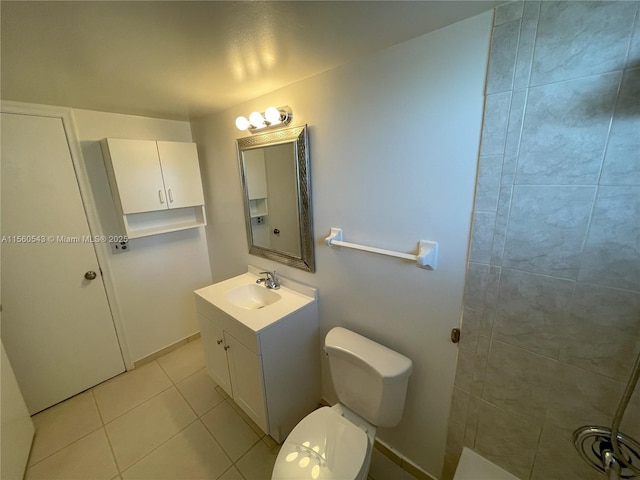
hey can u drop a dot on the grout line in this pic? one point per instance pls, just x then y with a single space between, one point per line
157 447
113 453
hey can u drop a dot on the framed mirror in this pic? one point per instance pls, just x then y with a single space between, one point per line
276 181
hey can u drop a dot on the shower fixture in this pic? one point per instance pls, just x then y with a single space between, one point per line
606 449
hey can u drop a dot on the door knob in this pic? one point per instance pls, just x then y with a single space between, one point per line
276 231
90 275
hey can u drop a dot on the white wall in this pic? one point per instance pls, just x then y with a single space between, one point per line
155 279
394 143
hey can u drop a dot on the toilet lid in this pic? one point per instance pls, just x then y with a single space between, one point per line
324 445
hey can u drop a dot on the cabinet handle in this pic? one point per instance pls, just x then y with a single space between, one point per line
161 196
170 195
226 347
219 342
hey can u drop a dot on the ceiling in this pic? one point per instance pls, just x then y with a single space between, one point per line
184 59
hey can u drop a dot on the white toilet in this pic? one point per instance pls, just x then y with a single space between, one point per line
336 443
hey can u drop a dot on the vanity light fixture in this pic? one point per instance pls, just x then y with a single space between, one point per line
272 117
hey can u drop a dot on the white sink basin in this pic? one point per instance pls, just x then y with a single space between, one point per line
254 305
252 296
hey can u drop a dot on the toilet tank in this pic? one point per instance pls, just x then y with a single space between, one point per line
370 379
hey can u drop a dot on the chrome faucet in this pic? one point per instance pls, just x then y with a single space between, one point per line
269 280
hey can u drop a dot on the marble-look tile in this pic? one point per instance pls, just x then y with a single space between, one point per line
191 454
603 332
611 255
526 44
490 298
480 365
476 285
565 131
518 381
473 419
494 129
502 58
470 330
622 158
464 370
459 406
633 59
631 421
482 237
514 131
579 397
557 458
508 12
547 228
502 219
488 184
507 440
581 38
531 311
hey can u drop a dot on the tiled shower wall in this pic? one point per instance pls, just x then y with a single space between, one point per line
551 323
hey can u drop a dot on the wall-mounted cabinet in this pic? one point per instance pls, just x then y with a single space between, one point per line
156 186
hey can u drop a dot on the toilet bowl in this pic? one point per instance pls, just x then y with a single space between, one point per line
335 443
324 445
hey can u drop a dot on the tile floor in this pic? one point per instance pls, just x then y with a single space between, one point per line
164 420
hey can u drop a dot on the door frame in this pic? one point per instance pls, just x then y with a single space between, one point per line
102 250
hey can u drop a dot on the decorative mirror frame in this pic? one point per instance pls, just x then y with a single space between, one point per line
298 137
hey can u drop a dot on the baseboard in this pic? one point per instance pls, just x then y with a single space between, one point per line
163 351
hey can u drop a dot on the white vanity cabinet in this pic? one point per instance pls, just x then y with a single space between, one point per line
156 185
270 369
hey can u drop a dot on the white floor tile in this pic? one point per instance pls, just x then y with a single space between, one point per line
232 474
200 391
63 424
230 430
183 362
124 392
258 463
192 454
139 431
89 458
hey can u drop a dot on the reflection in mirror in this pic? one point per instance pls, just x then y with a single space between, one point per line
276 182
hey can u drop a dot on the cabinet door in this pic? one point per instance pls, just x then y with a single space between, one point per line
246 376
181 173
215 354
138 177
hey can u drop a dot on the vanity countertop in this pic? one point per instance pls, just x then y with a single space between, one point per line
293 297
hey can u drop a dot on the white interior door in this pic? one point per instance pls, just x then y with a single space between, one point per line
283 198
57 327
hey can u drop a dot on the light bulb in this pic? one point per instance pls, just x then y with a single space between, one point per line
272 114
242 123
256 119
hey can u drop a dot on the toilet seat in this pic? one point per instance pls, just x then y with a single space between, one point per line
323 446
